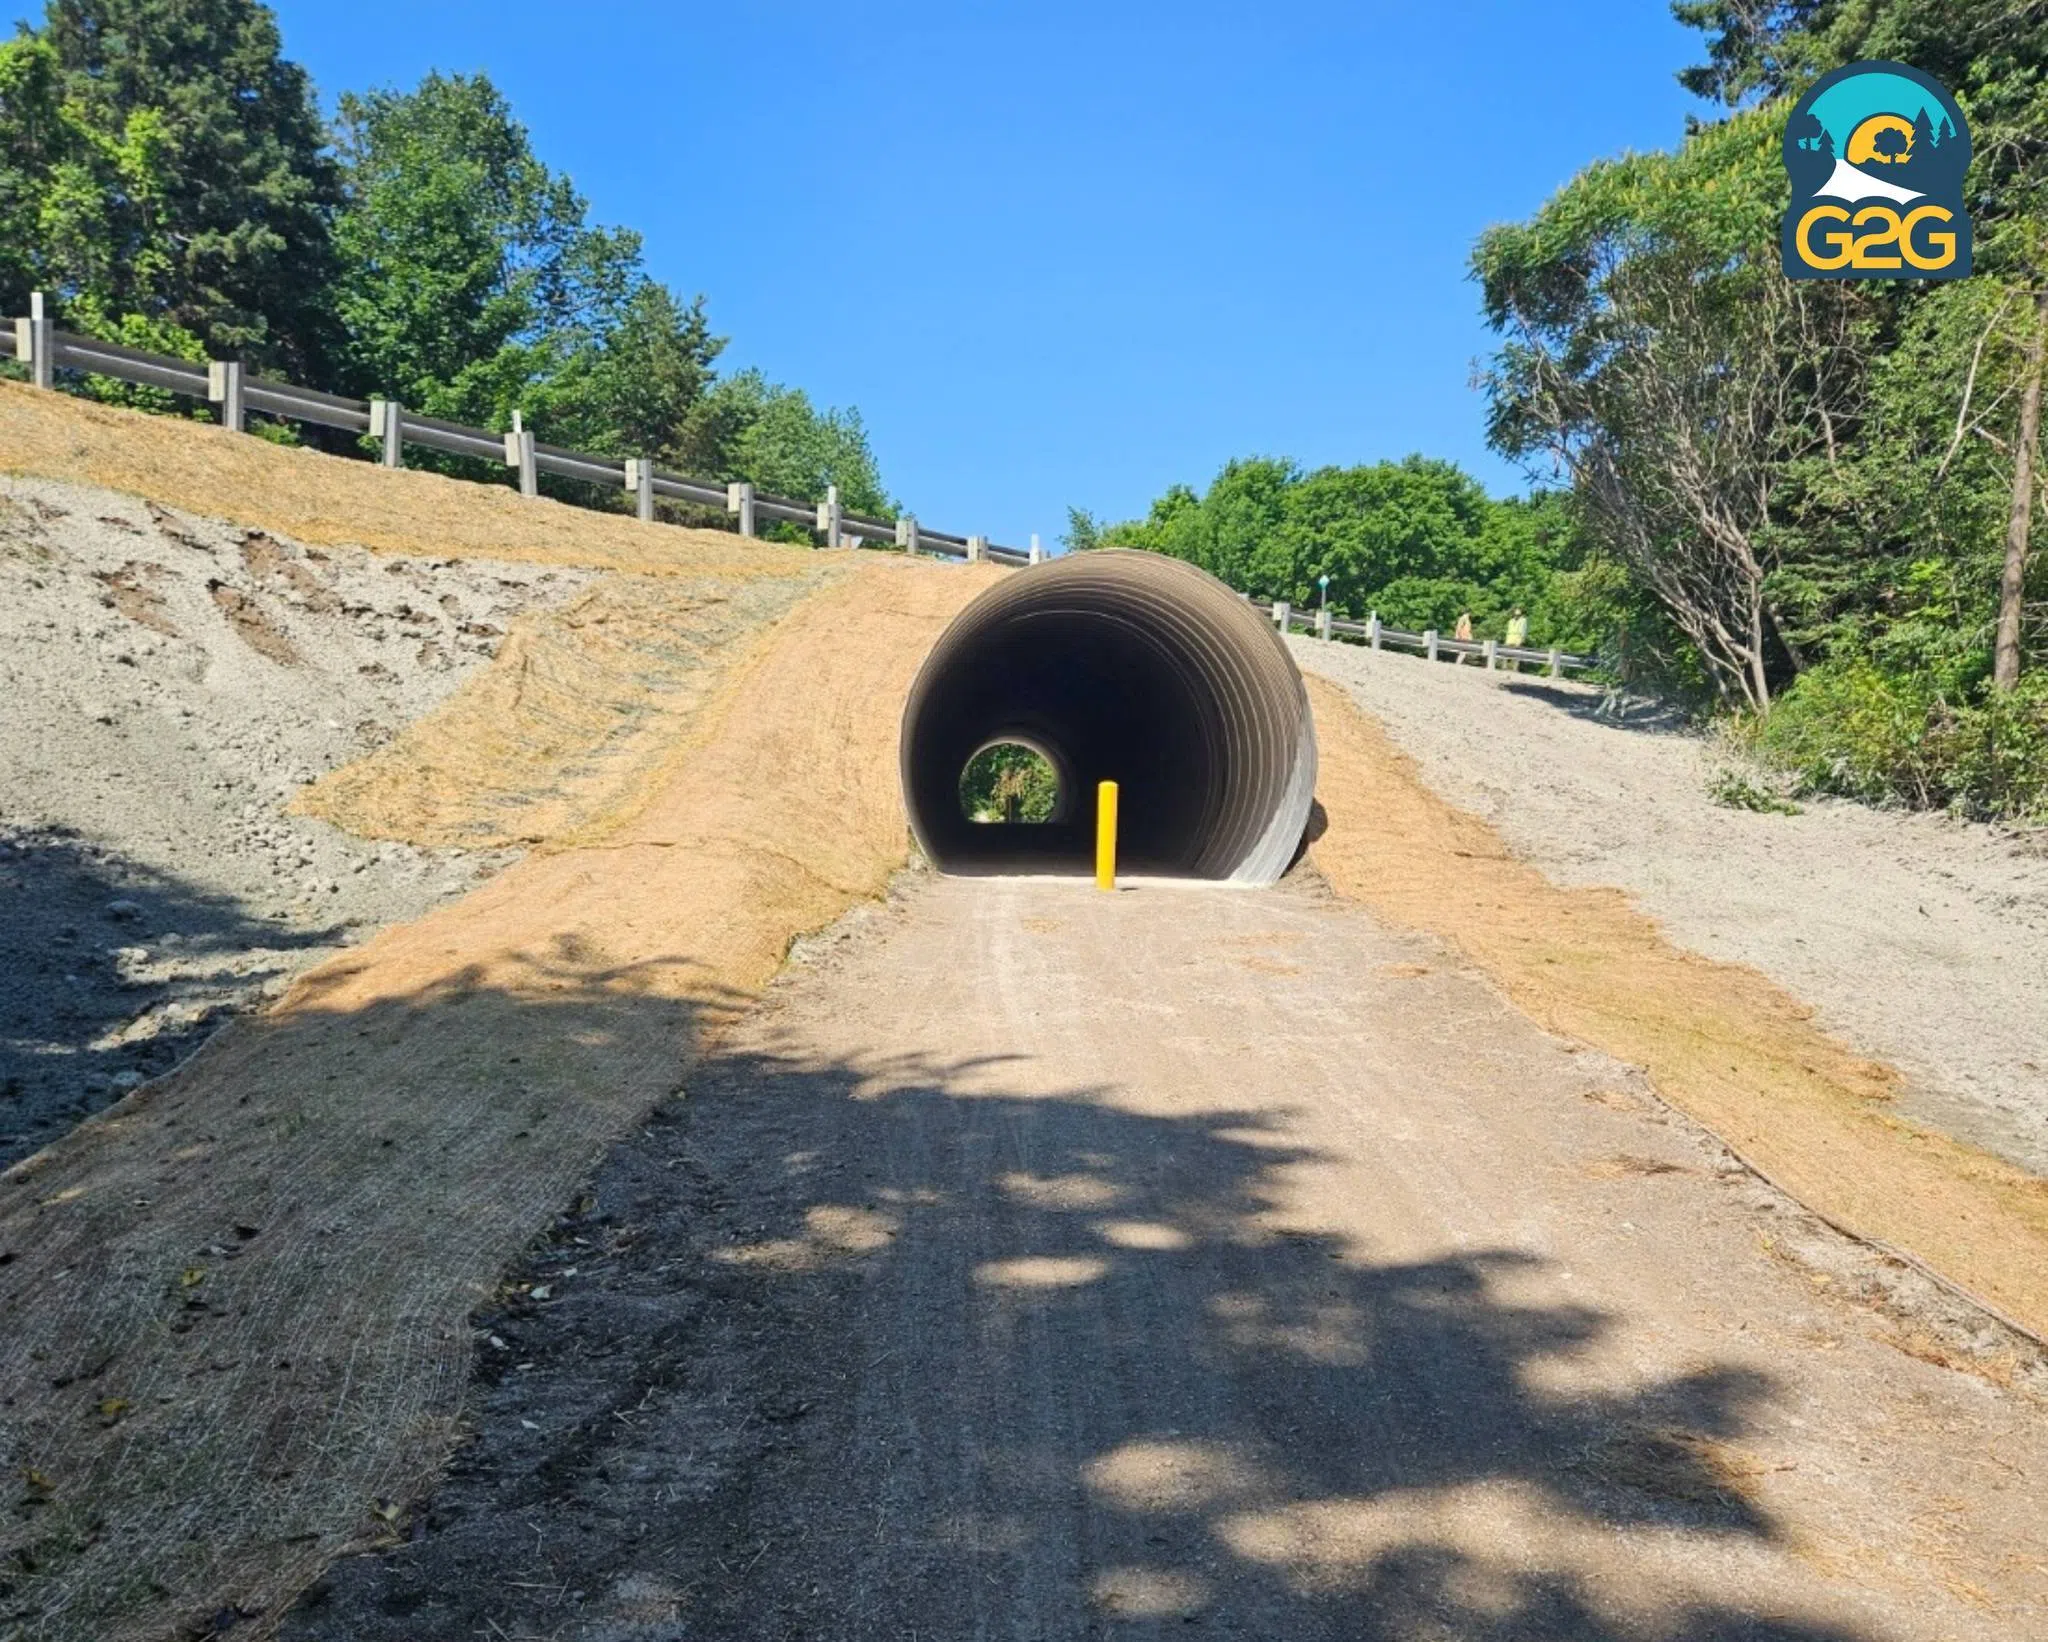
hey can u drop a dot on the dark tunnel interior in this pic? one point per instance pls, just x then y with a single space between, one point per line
1125 667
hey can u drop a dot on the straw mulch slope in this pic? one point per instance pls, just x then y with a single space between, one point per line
329 500
576 722
1720 1042
232 1308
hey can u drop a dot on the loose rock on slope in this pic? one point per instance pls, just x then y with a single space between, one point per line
170 683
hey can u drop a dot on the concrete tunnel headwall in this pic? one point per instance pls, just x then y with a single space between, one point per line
1126 667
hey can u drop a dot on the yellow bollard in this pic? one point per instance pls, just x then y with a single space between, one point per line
1105 836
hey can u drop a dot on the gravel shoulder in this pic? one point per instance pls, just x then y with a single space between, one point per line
171 683
1919 940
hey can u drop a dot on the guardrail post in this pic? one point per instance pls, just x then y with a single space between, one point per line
1281 614
1491 650
35 343
828 515
739 499
1037 553
224 388
1372 629
519 454
1556 662
1429 643
387 422
1322 624
640 481
977 549
906 533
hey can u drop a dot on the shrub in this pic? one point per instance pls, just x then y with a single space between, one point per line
1851 728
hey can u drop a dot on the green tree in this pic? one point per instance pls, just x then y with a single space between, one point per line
1083 534
472 283
1005 780
1654 354
1417 540
749 428
48 180
165 178
1820 496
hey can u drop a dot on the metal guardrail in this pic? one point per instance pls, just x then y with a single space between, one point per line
1432 644
37 343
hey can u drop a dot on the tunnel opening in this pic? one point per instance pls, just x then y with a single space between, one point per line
1125 667
1012 784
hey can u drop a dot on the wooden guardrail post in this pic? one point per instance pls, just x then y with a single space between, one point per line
35 343
640 481
387 422
828 515
977 549
739 499
1429 643
1322 624
1282 612
1490 650
1372 630
906 533
1037 553
519 454
224 388
1556 662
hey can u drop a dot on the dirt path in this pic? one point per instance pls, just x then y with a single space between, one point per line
1049 1264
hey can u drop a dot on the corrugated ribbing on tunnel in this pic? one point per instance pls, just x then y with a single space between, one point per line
1125 667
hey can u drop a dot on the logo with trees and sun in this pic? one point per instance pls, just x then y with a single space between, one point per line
1877 153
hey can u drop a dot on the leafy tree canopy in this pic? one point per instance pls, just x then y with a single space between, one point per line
165 176
471 282
1818 497
749 428
1419 541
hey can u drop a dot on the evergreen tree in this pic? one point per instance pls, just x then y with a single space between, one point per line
165 177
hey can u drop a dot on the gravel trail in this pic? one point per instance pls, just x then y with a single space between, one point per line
1049 1264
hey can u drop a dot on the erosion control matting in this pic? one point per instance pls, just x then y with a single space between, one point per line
323 500
232 1308
1720 1042
577 724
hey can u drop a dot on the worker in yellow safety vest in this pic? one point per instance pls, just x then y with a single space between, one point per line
1518 636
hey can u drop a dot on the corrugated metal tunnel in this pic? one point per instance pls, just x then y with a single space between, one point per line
1125 667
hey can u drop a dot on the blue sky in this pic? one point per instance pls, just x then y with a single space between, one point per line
1068 253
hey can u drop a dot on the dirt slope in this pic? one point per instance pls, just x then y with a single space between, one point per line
327 500
169 683
231 1308
176 680
1052 1264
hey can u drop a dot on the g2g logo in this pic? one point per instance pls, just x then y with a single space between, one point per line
1877 153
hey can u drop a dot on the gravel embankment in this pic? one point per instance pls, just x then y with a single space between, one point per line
169 683
1920 940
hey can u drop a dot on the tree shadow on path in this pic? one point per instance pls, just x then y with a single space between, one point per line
873 1352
